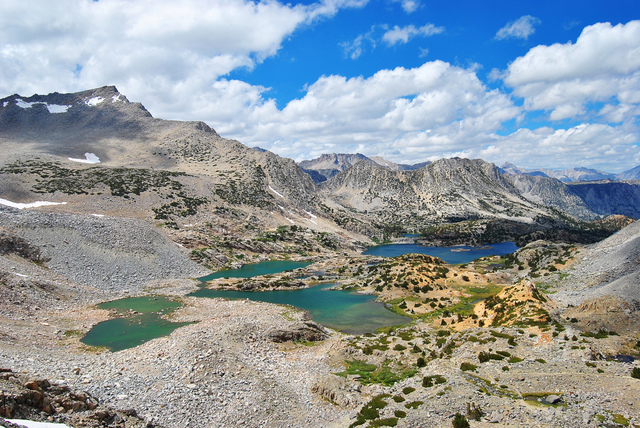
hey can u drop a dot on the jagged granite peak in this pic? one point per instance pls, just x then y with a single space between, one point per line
398 166
328 165
511 169
443 190
387 163
340 161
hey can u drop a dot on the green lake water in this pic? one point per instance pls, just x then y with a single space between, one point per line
346 311
129 330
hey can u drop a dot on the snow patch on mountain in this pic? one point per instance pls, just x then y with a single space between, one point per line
88 158
54 108
36 204
92 102
276 192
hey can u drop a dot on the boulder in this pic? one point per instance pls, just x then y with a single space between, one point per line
553 399
307 331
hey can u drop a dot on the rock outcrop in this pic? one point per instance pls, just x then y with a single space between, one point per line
23 397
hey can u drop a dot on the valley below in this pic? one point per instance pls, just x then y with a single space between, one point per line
104 202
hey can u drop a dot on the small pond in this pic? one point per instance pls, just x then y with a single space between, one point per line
453 255
133 329
346 311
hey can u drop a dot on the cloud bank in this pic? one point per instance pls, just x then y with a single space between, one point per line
176 59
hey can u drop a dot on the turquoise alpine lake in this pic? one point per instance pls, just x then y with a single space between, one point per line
342 310
453 255
256 269
133 328
141 319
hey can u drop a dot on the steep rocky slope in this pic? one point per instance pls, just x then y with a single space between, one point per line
610 267
551 192
98 153
610 197
632 174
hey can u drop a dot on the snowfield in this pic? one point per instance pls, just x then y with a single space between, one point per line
53 108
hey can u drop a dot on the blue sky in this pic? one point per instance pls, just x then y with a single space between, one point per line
540 84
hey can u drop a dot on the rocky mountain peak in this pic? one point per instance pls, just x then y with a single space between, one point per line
57 103
328 165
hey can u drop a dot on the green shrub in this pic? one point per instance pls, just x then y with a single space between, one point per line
483 357
408 390
429 381
387 422
474 412
459 421
635 373
413 405
468 367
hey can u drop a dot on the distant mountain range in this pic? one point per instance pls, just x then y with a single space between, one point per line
180 174
572 174
328 165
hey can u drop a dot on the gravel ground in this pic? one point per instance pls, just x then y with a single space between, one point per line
110 254
222 371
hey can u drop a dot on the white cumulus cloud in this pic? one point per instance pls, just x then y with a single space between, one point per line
388 113
521 28
148 48
603 65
